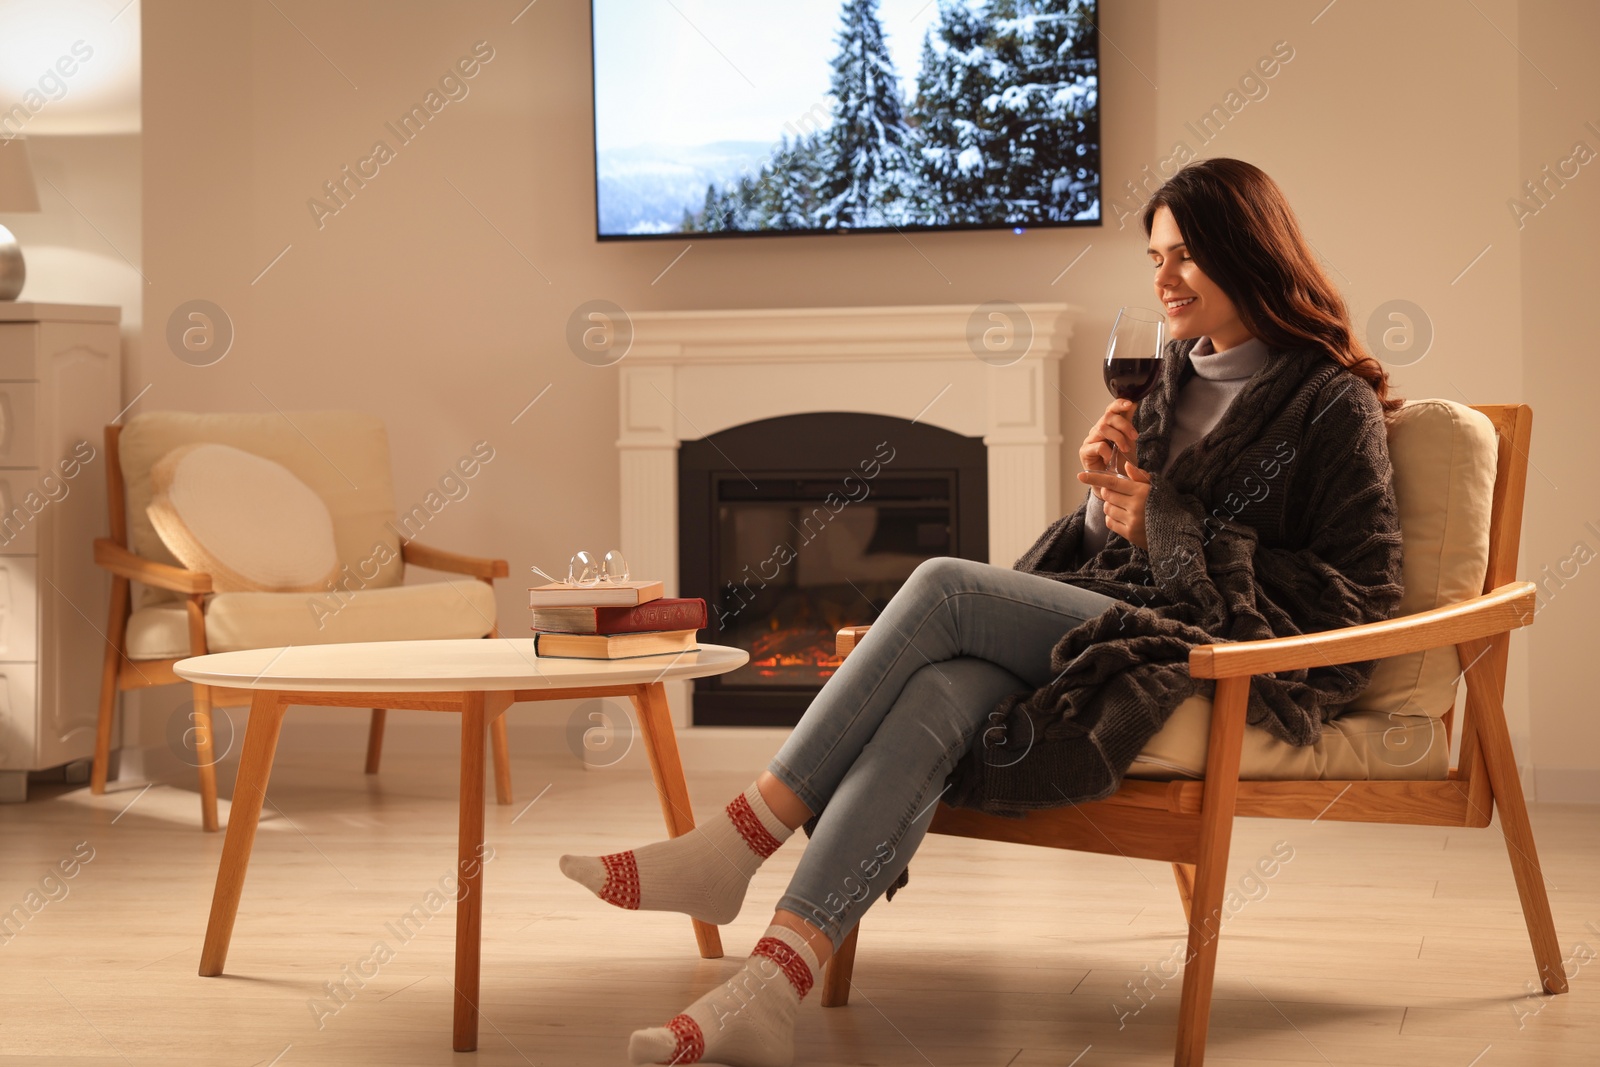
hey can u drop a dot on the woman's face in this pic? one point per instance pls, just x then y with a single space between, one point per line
1194 305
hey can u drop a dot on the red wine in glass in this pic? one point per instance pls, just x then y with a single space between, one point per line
1131 379
1133 360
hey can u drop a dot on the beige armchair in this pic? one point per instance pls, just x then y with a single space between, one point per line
162 612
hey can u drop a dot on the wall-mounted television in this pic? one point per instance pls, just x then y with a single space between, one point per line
730 118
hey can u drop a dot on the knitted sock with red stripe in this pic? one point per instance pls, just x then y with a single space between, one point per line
703 873
748 1021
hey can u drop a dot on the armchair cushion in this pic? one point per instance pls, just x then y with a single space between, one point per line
1355 746
246 521
342 455
461 607
1445 456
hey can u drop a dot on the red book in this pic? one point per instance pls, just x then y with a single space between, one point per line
664 613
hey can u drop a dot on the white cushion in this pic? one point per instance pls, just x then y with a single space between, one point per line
461 607
1355 746
1444 457
246 521
342 455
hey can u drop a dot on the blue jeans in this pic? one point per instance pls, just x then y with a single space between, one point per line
875 747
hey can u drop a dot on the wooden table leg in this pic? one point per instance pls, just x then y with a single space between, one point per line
469 872
495 706
250 789
661 745
375 739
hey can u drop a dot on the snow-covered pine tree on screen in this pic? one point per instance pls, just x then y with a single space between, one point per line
963 113
1043 114
869 176
958 167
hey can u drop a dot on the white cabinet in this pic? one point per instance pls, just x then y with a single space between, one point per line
60 383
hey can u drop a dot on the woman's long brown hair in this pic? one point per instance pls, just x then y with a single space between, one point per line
1239 228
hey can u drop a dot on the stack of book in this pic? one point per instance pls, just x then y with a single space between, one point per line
613 620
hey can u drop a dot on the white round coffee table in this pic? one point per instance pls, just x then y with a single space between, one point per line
478 679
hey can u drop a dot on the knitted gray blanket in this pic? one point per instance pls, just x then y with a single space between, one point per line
1281 521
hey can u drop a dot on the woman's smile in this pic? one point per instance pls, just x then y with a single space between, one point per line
1200 308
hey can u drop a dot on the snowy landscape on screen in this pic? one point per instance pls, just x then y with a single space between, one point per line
719 115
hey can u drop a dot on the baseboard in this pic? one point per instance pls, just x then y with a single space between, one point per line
561 730
1567 785
598 746
599 736
707 749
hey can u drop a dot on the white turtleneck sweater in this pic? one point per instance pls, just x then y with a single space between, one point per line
1218 378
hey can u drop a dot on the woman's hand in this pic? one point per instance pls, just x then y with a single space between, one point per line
1123 499
1114 428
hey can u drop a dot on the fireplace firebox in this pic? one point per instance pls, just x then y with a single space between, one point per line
791 527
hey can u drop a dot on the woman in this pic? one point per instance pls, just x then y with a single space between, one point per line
1261 506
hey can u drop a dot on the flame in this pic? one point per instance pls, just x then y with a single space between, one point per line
780 653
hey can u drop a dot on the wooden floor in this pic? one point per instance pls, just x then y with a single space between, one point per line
1372 945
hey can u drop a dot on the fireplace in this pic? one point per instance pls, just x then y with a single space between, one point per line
690 377
791 527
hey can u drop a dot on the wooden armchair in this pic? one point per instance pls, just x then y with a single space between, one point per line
1189 823
344 457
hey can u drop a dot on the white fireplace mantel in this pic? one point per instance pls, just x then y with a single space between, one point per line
690 374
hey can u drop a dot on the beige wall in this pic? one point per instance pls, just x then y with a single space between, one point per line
1561 546
438 296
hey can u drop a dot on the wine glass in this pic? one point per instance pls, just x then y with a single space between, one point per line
1133 361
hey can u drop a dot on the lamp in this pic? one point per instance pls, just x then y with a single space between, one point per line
17 193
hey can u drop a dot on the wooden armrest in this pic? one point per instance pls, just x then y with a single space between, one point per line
1506 608
437 559
119 561
848 637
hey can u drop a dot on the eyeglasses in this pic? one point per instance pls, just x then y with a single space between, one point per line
583 569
